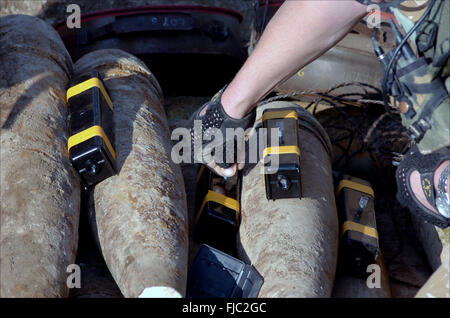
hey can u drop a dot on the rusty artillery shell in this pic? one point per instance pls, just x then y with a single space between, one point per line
40 194
140 213
346 286
293 242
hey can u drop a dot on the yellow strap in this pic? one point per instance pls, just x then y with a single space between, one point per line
83 86
279 114
199 174
218 198
355 186
88 134
352 226
281 150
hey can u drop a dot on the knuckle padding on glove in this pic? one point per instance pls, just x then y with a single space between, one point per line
216 119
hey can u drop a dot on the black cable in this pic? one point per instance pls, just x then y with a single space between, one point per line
355 131
397 51
432 18
256 10
266 9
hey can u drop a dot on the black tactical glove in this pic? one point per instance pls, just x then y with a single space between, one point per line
210 134
426 165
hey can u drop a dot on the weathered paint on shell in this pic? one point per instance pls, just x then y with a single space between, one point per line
346 286
40 194
141 213
292 243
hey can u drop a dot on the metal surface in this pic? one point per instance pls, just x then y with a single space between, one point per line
181 44
141 213
350 60
54 11
438 286
346 286
40 194
343 64
293 243
147 30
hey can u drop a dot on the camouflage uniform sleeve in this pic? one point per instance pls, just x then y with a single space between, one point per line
367 2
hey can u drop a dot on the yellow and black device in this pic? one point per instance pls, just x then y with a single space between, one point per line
359 236
281 156
217 216
91 141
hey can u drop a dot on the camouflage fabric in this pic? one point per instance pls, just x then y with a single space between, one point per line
426 82
384 5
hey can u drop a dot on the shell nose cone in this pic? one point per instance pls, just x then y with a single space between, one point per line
159 292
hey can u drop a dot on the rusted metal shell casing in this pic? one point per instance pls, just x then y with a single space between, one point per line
40 194
346 286
293 243
140 213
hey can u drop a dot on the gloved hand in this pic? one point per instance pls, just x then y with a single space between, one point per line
422 185
216 138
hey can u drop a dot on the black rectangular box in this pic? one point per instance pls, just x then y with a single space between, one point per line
282 180
91 141
359 236
216 274
217 214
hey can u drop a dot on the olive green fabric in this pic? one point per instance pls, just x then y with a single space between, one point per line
431 82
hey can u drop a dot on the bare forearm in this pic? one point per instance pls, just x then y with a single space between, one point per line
299 32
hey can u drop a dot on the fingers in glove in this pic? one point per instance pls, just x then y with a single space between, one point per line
229 172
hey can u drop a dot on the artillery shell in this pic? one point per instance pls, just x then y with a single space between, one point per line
293 242
40 193
140 213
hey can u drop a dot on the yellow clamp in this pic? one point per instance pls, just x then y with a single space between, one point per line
366 230
281 150
88 134
88 84
281 114
355 186
218 198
